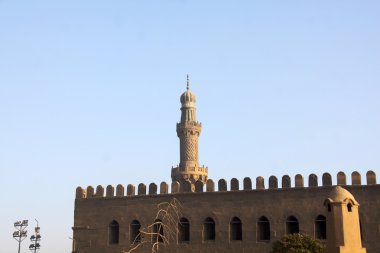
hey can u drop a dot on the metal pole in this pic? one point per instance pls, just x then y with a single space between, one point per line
35 248
19 235
19 243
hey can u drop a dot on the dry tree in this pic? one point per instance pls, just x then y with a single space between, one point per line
162 232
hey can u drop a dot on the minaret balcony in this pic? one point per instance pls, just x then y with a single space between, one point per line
190 170
192 126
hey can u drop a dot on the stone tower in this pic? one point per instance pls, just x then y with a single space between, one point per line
188 131
343 227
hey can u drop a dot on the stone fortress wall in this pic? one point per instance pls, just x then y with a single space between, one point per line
96 209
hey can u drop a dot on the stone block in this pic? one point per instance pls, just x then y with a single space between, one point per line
210 185
273 182
326 179
356 178
341 178
152 189
164 188
234 184
141 189
260 183
222 185
130 190
110 191
247 183
299 180
175 187
99 191
371 177
120 190
286 182
313 180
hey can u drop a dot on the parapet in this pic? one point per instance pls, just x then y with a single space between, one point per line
209 186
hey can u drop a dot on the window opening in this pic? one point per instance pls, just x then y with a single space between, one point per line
113 232
235 229
292 226
184 230
263 227
158 231
320 227
209 229
134 232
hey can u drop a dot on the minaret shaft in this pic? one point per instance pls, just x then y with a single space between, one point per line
188 134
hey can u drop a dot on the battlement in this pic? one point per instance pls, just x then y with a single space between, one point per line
90 192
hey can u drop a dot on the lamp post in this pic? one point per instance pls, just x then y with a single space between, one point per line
35 239
20 234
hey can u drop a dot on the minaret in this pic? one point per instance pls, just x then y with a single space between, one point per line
343 226
188 131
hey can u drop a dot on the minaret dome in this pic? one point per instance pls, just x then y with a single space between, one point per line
188 98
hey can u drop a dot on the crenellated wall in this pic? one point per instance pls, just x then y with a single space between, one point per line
176 187
248 199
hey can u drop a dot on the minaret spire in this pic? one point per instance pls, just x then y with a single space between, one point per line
188 82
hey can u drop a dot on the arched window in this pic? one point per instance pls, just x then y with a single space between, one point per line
184 230
349 207
292 226
320 227
263 229
158 231
209 229
235 229
113 232
134 232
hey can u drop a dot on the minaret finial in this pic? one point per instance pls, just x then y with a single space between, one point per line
188 82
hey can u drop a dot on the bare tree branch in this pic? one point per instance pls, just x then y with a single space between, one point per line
162 231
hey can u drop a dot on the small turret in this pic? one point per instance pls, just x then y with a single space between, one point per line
343 227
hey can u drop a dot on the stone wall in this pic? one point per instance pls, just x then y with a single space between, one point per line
94 210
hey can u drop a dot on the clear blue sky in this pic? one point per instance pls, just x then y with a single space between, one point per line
89 94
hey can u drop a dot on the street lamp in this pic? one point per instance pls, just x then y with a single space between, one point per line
20 234
35 239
